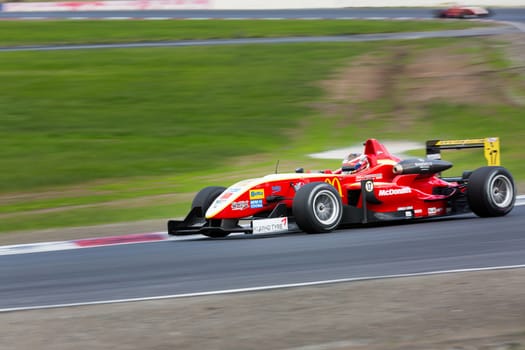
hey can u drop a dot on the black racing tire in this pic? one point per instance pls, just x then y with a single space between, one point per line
491 191
439 14
205 197
317 208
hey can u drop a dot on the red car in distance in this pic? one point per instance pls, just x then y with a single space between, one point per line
463 12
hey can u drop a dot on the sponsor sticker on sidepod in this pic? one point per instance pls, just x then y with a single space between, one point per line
270 225
394 191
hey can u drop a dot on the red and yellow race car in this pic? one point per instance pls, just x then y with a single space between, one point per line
463 12
369 187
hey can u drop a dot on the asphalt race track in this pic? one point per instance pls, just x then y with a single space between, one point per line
217 42
286 40
501 14
204 265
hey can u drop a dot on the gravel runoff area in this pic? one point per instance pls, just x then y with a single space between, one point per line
460 311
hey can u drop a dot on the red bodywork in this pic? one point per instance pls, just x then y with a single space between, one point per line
401 195
371 187
463 12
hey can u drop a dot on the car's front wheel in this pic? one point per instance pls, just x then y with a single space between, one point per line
491 191
439 14
203 199
317 207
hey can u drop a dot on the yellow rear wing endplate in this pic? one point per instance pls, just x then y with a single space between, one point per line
489 144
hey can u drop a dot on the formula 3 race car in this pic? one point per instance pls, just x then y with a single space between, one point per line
370 187
463 12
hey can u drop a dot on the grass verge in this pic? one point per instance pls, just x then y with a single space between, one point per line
81 32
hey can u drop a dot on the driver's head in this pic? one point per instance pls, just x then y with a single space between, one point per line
355 162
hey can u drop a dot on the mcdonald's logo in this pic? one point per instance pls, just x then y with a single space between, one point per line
336 183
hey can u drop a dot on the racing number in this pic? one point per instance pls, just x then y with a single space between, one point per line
336 183
369 186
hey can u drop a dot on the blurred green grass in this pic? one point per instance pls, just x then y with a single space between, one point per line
114 135
87 31
71 117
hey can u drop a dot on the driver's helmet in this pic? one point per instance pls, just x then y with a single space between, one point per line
355 162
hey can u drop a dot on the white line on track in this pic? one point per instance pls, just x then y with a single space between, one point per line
261 288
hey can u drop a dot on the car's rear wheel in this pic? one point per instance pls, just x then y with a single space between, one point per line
203 199
491 191
317 208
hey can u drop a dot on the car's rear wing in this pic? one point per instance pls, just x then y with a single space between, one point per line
489 144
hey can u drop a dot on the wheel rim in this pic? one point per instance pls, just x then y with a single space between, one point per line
326 208
501 192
